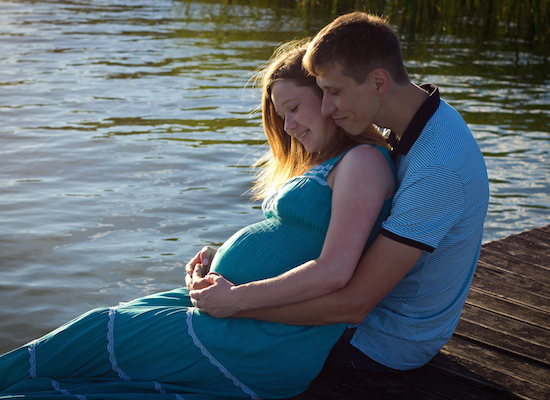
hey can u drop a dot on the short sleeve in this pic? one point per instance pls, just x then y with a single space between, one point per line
426 206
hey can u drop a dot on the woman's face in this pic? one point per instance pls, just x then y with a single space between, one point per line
300 109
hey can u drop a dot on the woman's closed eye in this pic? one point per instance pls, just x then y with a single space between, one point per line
290 111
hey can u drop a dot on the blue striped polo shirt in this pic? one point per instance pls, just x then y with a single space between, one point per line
439 207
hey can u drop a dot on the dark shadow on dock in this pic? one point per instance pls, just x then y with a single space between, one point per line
500 349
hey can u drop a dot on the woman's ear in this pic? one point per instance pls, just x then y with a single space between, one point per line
382 80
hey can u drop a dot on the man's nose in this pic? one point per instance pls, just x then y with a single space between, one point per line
327 107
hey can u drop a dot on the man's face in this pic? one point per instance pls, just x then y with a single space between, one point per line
353 107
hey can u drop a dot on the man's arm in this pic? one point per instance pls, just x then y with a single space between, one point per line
354 193
382 266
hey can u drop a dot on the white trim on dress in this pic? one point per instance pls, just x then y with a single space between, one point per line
110 345
215 362
56 387
32 359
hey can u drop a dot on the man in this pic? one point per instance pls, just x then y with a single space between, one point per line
409 287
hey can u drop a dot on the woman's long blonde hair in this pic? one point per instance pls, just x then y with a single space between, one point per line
287 157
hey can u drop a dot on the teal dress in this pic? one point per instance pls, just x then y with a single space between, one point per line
161 347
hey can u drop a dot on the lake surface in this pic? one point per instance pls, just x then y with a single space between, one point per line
127 134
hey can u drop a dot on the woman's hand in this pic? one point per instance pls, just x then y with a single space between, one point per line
195 280
218 298
204 257
198 267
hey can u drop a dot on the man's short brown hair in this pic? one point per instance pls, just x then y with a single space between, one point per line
359 43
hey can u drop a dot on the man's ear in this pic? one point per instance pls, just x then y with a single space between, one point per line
382 80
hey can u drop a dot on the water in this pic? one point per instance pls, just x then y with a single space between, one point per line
127 136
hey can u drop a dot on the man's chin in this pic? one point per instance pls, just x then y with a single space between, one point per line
352 130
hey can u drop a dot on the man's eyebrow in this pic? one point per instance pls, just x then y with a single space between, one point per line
325 86
328 87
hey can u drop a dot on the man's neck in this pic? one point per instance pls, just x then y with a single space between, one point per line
400 105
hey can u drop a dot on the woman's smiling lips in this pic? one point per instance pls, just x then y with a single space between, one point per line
301 136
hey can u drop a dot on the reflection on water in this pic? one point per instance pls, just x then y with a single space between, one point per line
127 137
503 92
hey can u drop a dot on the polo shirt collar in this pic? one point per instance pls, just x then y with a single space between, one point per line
424 113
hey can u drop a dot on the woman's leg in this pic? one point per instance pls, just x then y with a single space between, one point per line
61 353
145 340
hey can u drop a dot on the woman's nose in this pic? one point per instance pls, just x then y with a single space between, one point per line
289 124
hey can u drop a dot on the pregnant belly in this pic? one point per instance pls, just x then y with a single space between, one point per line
266 249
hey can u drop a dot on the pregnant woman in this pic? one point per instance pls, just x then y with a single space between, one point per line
325 195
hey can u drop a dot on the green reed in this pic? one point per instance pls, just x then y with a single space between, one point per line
520 19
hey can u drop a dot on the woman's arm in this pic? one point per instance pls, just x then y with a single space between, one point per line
361 182
382 267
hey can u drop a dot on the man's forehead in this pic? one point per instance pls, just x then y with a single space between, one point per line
329 76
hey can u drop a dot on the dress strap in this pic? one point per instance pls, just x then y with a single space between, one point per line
321 171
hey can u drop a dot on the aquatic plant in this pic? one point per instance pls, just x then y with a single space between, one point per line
521 19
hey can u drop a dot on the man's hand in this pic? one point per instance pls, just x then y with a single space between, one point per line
218 297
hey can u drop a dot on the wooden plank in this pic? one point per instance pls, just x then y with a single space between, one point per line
529 243
504 277
507 373
491 280
538 259
545 229
505 334
497 260
536 240
508 307
541 234
518 254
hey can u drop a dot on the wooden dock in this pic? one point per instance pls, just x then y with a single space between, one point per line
500 349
